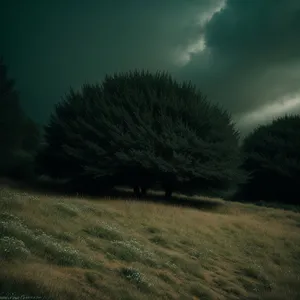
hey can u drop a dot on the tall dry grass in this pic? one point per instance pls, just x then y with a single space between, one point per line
60 247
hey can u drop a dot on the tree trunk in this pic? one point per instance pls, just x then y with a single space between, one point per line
143 191
137 191
168 193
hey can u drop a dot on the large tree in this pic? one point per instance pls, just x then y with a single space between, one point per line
272 158
10 112
139 129
19 135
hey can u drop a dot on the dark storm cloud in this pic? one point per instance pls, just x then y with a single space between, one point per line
252 56
50 45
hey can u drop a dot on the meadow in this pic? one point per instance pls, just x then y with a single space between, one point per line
55 246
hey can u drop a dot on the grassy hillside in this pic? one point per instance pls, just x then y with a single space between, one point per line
59 247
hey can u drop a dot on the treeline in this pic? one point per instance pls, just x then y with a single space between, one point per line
145 130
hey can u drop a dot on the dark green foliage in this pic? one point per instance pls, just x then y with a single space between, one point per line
139 129
10 112
272 158
19 135
19 165
30 133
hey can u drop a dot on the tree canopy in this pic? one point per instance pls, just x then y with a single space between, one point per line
10 112
140 129
19 135
272 158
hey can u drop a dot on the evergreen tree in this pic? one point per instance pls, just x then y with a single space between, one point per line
272 158
139 129
10 113
19 135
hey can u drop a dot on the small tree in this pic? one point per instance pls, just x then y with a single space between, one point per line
140 129
272 158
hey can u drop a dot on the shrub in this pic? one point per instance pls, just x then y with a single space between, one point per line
272 158
140 129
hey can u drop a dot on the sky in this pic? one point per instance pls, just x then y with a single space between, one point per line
243 54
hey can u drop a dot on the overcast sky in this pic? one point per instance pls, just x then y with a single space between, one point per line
244 54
